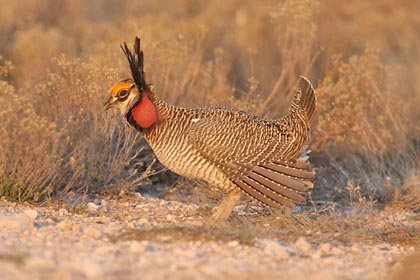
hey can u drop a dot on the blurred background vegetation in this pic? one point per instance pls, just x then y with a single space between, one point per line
59 58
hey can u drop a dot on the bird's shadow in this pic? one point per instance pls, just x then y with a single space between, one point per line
177 233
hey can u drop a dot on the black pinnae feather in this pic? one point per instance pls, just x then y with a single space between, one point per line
136 62
140 62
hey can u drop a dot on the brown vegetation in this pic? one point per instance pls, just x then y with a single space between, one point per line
60 57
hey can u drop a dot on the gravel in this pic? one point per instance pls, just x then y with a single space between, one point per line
54 243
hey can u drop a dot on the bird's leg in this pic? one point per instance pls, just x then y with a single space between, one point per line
223 211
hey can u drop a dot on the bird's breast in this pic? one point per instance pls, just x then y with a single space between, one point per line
173 149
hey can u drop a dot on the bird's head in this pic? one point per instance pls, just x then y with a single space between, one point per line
124 95
133 96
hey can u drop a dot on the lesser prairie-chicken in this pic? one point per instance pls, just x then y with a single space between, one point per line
229 149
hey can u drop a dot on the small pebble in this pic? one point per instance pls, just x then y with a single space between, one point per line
316 255
16 222
92 206
91 231
274 248
233 243
104 203
128 218
384 246
91 269
150 248
142 221
355 249
65 225
302 244
324 247
336 251
102 251
63 212
136 246
32 214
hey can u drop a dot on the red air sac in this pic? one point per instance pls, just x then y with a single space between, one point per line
144 113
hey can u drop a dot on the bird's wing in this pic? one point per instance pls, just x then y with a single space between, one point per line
249 151
235 139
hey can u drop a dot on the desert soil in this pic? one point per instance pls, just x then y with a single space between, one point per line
140 237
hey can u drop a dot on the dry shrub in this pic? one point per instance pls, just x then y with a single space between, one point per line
362 134
409 195
390 26
357 108
24 148
56 135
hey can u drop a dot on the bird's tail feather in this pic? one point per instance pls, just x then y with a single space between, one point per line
305 97
278 183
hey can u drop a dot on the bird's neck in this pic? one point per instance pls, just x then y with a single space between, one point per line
145 113
150 112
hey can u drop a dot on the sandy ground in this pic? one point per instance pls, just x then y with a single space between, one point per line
149 238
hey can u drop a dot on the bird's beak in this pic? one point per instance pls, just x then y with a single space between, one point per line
109 103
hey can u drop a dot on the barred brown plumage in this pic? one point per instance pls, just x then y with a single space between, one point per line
227 148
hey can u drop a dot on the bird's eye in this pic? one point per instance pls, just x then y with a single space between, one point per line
123 93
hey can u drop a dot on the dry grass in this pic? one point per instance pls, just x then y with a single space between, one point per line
60 58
